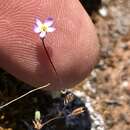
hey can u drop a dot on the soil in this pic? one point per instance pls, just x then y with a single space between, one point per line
108 84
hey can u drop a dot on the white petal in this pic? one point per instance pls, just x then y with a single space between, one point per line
36 29
38 22
49 21
51 29
42 34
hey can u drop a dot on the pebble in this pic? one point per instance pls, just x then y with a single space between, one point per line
103 11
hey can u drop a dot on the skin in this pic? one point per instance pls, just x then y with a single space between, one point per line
73 47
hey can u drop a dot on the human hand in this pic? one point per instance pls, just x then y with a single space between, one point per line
73 47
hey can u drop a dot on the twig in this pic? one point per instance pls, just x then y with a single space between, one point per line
31 91
113 102
75 112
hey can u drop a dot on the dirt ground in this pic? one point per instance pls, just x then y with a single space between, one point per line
109 83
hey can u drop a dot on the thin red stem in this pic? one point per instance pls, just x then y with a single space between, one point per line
50 59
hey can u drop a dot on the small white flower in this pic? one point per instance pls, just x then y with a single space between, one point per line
43 28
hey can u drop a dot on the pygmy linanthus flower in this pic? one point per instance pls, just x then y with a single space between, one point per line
42 28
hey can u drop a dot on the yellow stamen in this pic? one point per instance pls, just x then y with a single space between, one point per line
43 28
